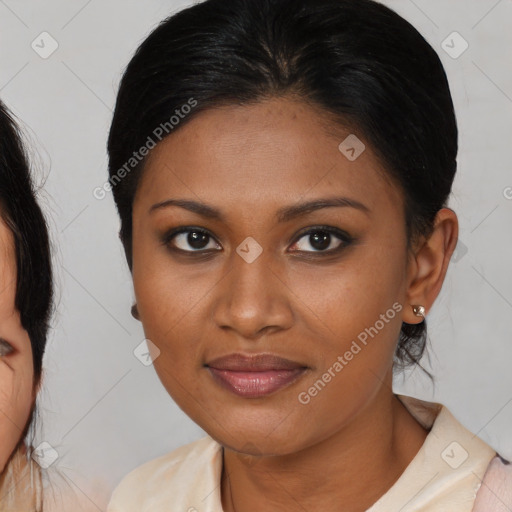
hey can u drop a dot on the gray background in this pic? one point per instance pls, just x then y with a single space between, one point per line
100 408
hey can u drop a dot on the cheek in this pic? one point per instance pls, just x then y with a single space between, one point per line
15 406
170 297
345 299
167 300
353 314
175 308
170 307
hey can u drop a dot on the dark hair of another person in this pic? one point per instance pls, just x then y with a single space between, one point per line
357 60
22 214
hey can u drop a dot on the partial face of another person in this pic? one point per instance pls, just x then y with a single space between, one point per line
16 365
304 286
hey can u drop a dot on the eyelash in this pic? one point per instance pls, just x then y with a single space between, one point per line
5 348
344 237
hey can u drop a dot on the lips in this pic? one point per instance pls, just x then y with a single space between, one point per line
253 363
253 376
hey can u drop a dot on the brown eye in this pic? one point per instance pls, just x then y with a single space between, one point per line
322 240
5 348
190 240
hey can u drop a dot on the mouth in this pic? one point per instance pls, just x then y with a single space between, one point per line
255 375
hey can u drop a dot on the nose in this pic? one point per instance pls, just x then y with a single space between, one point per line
253 299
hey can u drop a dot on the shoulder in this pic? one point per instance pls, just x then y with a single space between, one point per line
174 472
495 492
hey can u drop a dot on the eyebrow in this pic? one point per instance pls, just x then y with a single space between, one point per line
284 214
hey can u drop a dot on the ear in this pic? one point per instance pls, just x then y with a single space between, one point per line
428 263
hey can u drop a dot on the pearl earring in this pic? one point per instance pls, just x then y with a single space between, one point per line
419 310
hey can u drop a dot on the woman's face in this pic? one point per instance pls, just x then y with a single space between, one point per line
292 290
16 365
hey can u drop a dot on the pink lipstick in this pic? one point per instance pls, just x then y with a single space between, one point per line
253 376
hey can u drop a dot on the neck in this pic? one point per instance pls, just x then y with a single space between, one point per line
355 466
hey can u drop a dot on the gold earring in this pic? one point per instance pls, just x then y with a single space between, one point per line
135 312
419 310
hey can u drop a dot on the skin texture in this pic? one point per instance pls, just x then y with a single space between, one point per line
16 366
293 301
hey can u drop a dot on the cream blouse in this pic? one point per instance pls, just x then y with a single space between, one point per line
444 476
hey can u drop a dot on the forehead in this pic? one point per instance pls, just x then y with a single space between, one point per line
269 152
7 267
